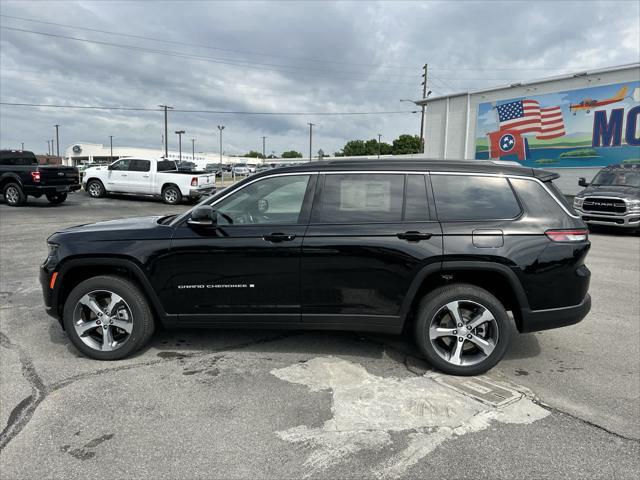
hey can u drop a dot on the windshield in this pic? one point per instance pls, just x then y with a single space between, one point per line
618 178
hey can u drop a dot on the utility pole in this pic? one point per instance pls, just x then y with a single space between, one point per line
179 133
111 148
193 149
220 127
166 138
310 140
379 137
424 95
48 148
22 146
264 157
57 141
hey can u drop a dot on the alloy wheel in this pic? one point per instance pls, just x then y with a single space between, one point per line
103 320
12 195
170 195
94 189
463 332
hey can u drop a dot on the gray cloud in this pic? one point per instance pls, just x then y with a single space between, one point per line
315 56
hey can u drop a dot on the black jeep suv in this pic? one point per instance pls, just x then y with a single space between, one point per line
446 248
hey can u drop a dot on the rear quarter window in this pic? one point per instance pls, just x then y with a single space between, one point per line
474 198
540 205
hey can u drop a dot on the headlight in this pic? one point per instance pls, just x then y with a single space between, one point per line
53 249
577 202
633 205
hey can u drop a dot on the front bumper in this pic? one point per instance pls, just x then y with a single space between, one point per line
626 220
536 320
48 293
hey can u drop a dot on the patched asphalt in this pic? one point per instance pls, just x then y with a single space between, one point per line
291 404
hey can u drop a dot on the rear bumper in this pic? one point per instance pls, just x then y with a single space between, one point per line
45 189
200 192
536 320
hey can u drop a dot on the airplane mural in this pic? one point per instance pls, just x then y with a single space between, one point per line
588 103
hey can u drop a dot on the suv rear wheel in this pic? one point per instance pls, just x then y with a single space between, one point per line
462 329
13 194
107 318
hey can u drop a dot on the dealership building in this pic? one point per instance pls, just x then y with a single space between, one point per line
572 124
81 153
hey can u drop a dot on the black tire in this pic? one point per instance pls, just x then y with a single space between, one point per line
432 305
13 194
171 195
96 189
56 198
141 317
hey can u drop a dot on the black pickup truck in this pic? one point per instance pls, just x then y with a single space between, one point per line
20 175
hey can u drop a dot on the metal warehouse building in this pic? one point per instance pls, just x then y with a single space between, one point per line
573 124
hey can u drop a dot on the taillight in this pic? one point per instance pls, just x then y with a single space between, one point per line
568 235
194 181
35 176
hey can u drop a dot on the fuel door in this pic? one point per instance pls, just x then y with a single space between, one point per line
487 238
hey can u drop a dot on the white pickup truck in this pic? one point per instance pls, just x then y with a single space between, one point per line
145 176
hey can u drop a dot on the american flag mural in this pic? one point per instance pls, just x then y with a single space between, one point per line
526 116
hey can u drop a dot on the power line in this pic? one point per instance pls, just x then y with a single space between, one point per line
187 44
171 53
218 112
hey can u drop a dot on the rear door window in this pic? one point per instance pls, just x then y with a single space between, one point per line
360 198
139 165
473 198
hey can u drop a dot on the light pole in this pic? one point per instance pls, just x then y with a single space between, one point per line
310 140
22 146
220 127
110 148
48 148
193 149
179 133
379 137
166 138
57 141
264 157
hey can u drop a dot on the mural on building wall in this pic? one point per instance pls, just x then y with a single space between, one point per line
588 127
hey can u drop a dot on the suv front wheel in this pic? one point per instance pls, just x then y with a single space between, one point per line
462 329
107 318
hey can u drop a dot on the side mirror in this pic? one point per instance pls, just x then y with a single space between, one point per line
110 167
582 182
203 216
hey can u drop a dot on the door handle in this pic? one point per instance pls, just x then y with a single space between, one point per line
145 176
278 237
414 236
124 175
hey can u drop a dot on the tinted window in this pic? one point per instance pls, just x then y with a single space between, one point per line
539 204
416 207
462 197
360 198
121 165
139 165
271 200
166 165
19 160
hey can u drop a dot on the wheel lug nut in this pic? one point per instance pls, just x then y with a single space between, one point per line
455 332
469 336
98 322
460 339
459 325
468 327
105 327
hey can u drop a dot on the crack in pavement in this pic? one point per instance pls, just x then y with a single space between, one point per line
23 412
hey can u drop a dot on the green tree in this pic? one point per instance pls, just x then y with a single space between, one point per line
291 154
406 144
253 154
354 148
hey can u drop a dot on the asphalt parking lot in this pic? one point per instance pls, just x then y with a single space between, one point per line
289 404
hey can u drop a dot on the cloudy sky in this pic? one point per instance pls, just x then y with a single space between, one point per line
275 57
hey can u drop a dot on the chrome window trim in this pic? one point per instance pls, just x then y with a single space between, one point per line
400 172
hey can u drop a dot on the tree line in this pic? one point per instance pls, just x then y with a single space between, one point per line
403 145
